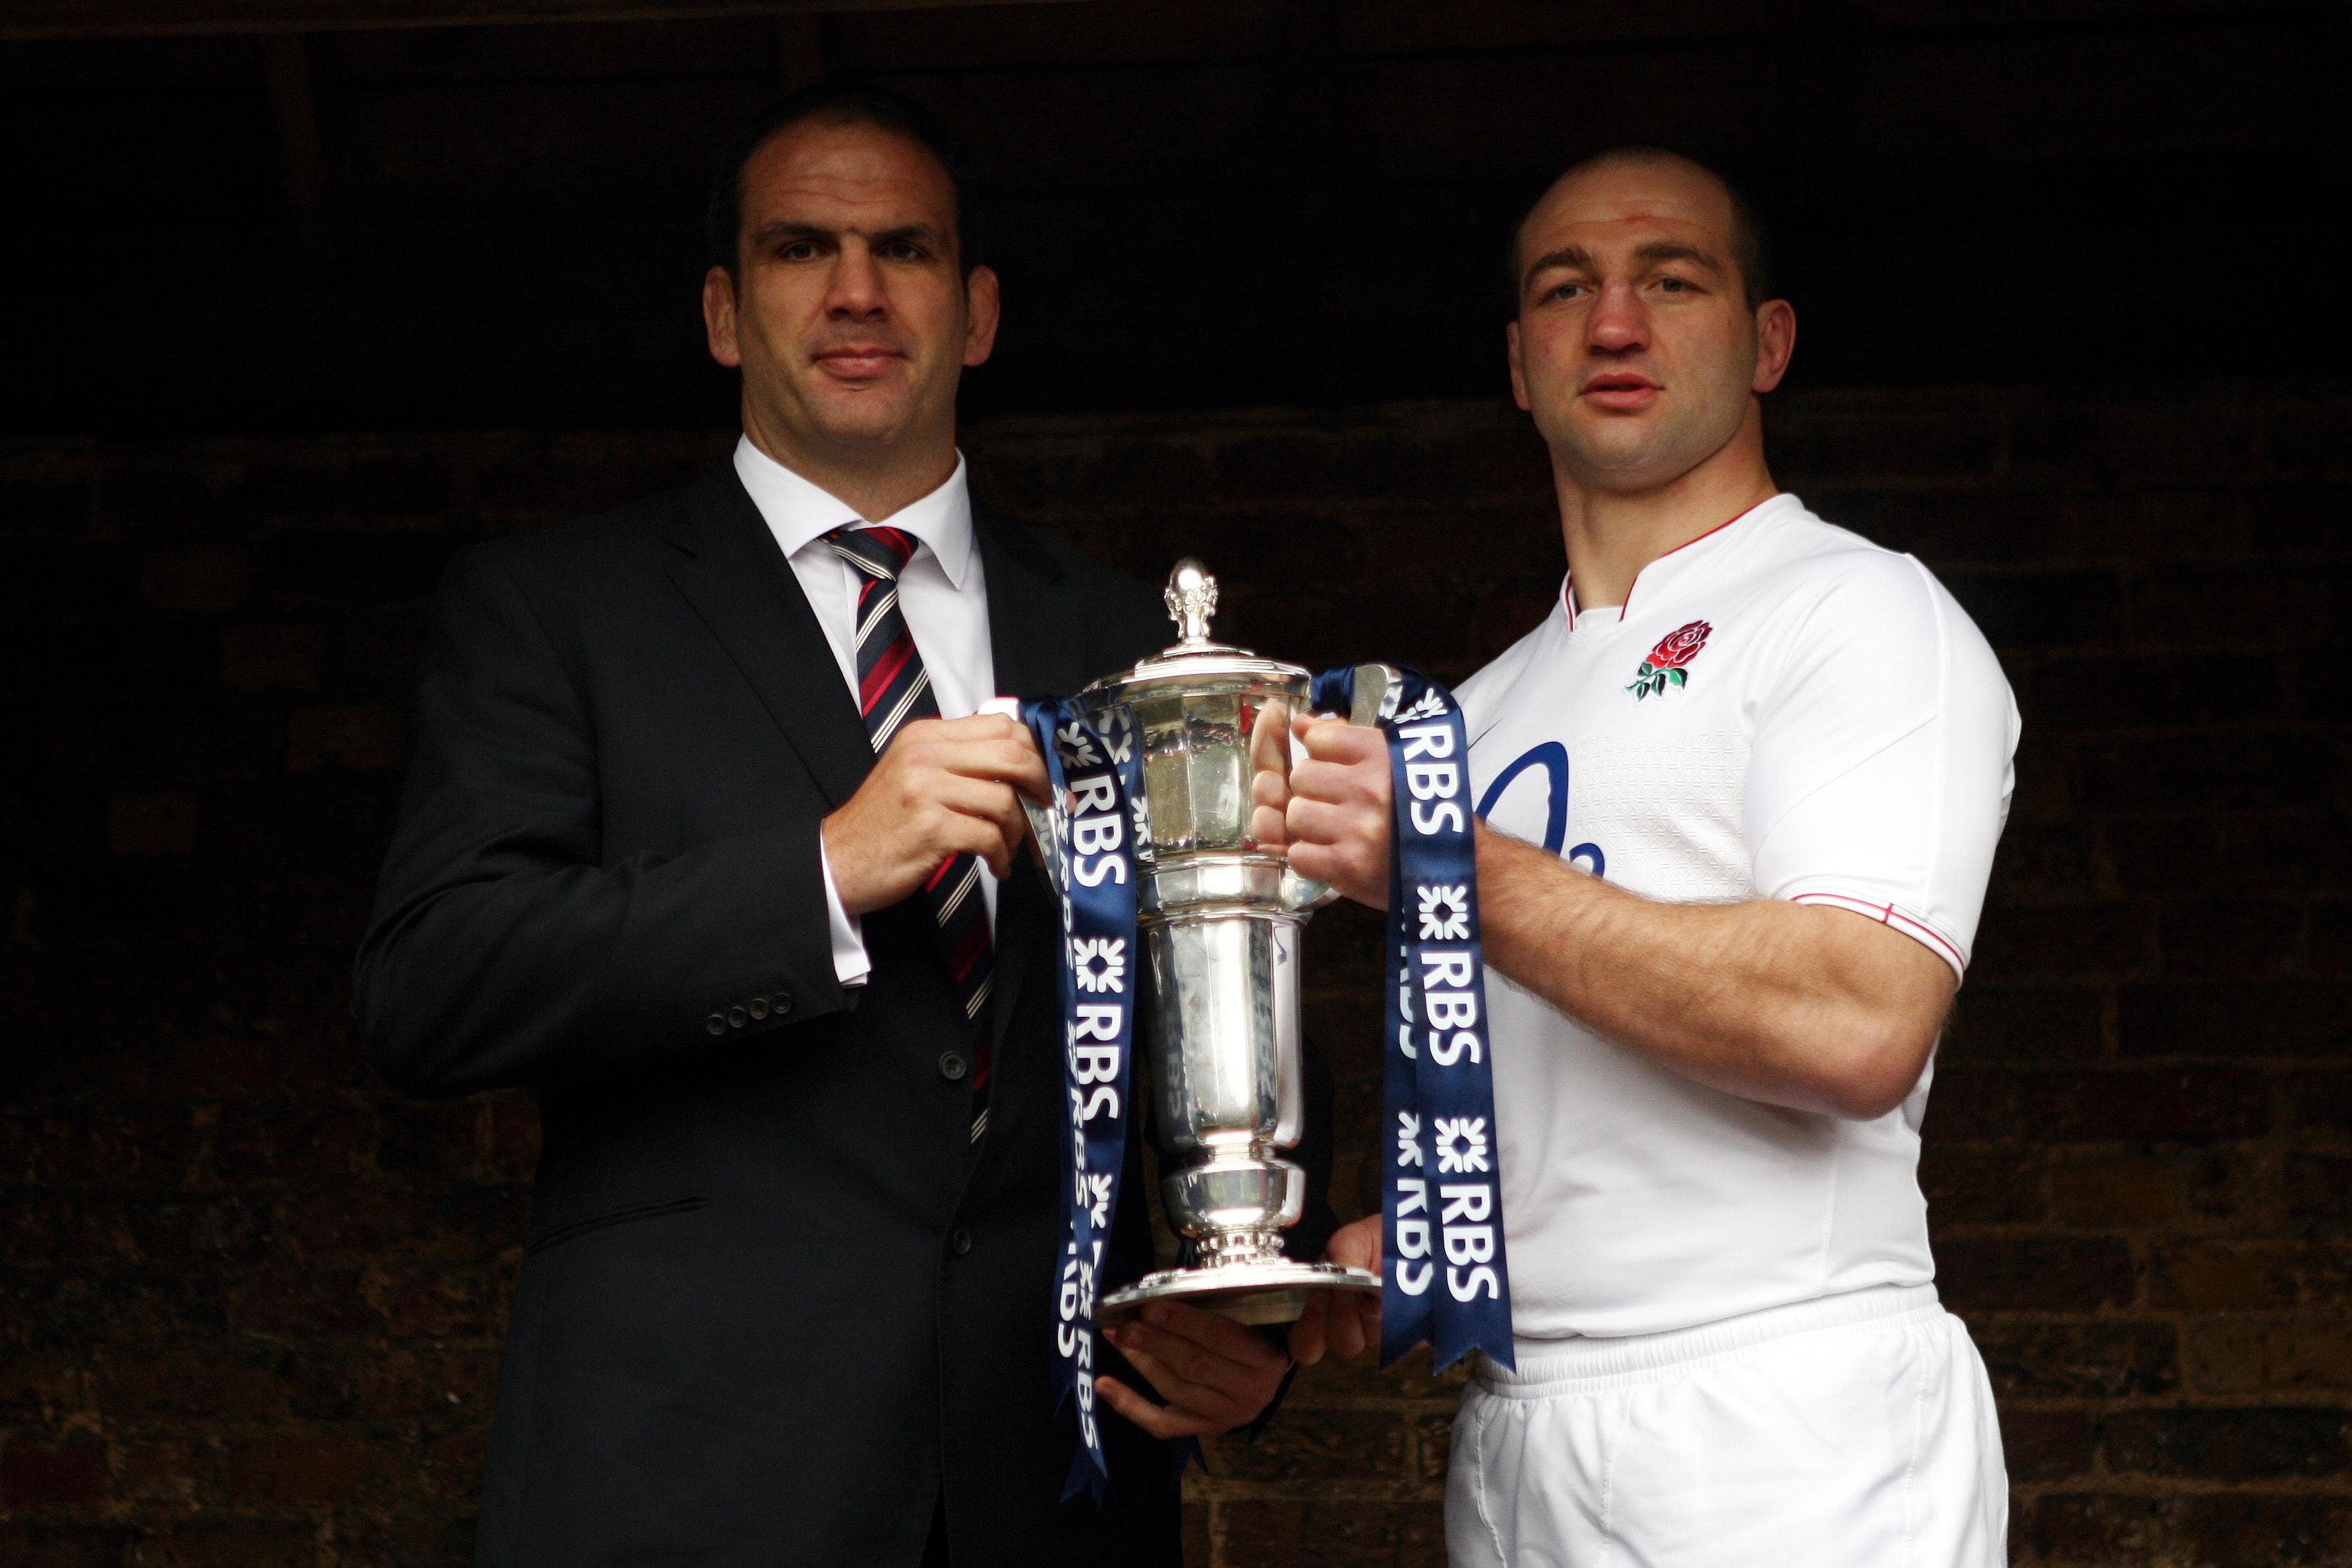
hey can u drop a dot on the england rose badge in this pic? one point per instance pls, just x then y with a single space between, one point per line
1664 667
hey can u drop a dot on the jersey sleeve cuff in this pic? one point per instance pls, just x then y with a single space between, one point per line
1937 940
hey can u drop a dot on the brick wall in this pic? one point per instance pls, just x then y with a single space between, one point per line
251 1303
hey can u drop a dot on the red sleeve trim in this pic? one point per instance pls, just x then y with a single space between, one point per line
1887 914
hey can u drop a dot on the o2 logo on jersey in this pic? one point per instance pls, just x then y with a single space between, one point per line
1552 757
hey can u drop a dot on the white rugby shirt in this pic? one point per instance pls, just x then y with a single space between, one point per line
1782 710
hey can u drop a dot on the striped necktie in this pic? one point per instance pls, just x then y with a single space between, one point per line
892 688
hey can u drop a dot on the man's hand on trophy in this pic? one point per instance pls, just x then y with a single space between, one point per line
1215 1374
1270 763
1338 810
1269 798
1342 1324
942 787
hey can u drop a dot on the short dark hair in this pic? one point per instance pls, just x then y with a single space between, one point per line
1751 240
843 102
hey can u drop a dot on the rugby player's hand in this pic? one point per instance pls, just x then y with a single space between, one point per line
1341 1322
1270 764
940 789
1215 1374
1338 812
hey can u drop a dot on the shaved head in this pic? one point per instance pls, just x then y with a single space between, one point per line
1750 245
1644 332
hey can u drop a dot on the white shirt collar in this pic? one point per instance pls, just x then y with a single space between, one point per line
799 512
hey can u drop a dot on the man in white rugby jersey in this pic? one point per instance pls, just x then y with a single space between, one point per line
1742 788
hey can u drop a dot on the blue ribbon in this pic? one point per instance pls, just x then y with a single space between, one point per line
1445 1275
1098 803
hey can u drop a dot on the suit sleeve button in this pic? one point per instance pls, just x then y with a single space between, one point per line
782 1002
759 1008
716 1023
952 1066
737 1018
959 1241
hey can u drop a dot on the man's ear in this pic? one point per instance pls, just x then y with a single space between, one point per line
719 317
981 306
1519 374
1775 341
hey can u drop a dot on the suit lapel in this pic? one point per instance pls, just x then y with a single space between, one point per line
1038 647
1038 652
730 570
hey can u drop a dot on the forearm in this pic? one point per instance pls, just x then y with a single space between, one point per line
1796 1005
476 977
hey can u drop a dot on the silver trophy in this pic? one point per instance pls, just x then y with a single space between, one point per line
1219 918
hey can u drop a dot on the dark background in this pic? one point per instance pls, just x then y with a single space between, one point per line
289 314
1223 203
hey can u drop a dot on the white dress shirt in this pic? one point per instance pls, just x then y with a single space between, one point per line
942 592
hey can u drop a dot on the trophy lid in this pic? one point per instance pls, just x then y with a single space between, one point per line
1195 663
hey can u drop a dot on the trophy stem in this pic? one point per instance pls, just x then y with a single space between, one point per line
1225 1248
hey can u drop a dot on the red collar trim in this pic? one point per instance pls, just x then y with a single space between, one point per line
1687 543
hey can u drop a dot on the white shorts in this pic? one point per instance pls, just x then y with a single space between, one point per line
1857 1429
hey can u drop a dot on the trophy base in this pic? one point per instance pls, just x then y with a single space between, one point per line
1252 1293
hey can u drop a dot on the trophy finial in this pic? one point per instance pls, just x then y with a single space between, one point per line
1191 597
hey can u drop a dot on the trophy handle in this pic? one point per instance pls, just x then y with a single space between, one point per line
1043 842
1304 895
1045 845
1377 689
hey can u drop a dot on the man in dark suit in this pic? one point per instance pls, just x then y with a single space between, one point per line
705 842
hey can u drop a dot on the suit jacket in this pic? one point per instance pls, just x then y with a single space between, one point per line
775 1307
